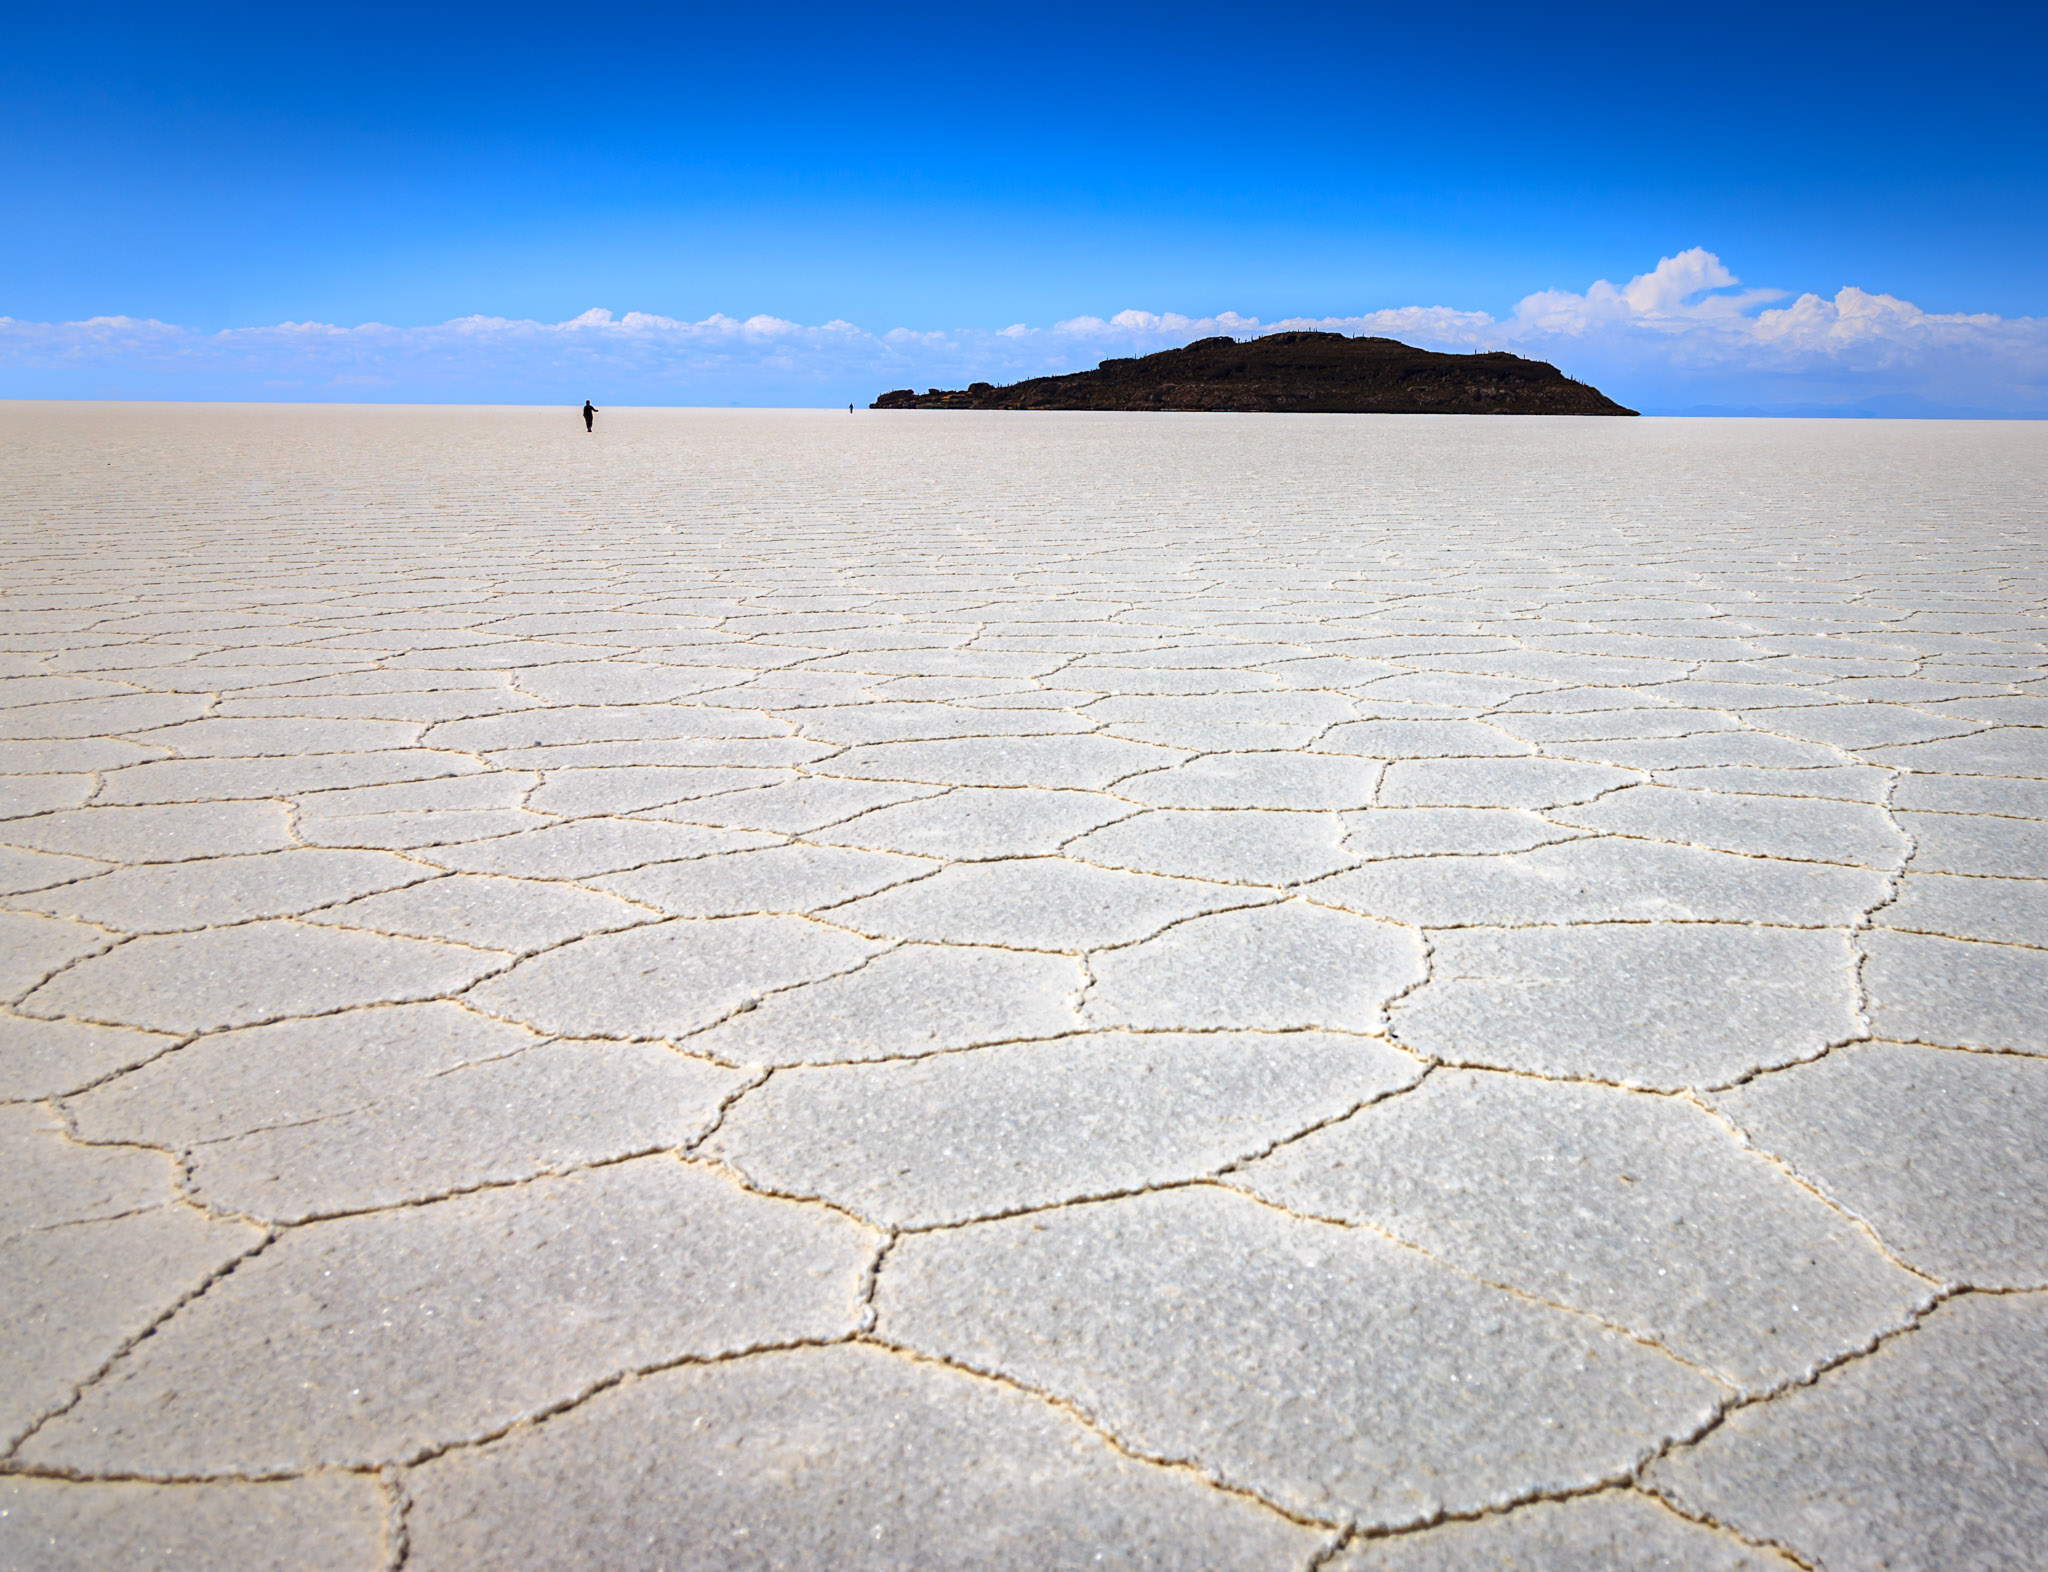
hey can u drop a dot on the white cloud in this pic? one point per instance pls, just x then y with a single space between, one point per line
1686 302
1137 326
1684 333
1677 292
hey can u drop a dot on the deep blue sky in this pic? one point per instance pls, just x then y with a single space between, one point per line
970 164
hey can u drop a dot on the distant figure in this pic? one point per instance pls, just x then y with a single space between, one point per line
589 416
849 409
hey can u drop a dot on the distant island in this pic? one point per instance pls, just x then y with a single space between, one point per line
1299 373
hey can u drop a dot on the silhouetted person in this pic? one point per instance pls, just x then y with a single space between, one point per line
589 416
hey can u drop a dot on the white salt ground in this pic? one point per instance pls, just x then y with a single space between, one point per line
884 990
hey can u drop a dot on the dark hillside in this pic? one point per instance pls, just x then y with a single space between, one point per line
1323 373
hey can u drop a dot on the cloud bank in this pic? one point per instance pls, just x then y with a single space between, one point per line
1684 336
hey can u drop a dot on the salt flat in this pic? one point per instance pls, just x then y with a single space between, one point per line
820 990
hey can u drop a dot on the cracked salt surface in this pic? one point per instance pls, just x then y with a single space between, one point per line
1128 991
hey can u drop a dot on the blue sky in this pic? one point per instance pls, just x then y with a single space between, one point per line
941 173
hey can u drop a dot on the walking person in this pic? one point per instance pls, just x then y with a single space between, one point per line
589 416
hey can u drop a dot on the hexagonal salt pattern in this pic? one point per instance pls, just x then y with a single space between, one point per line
1199 1327
842 1457
1083 990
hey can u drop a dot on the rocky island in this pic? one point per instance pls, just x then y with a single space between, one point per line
1305 373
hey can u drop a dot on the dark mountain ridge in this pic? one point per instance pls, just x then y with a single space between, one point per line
1303 373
